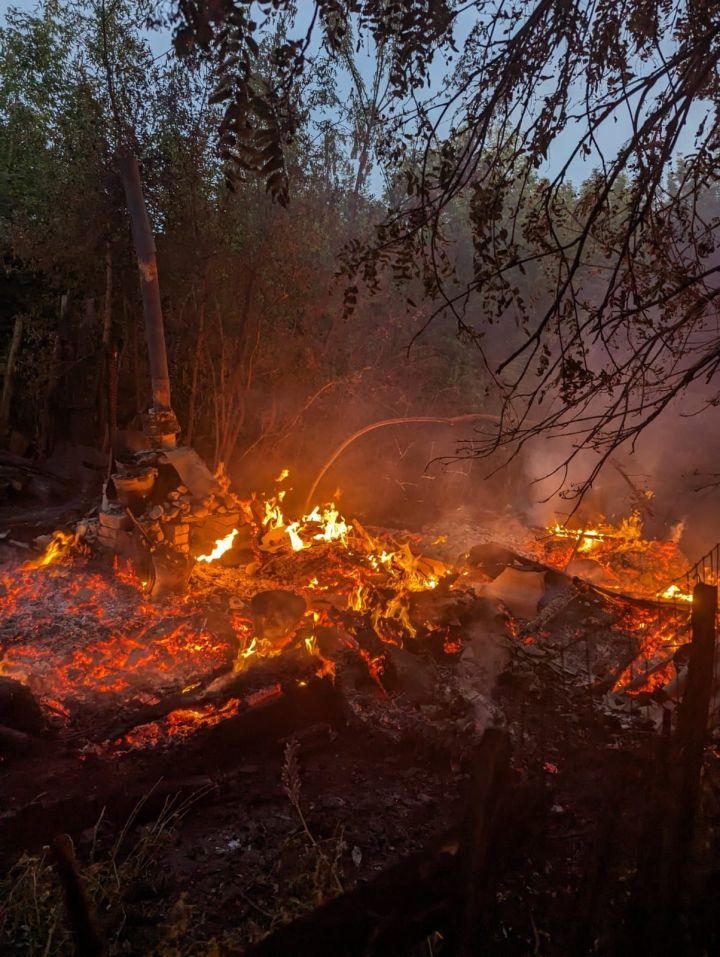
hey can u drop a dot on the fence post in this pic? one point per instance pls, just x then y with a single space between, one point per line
695 707
692 730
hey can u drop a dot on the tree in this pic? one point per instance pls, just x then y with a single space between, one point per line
629 322
263 362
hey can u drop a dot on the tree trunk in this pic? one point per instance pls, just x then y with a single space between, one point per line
9 381
105 358
48 415
197 359
147 264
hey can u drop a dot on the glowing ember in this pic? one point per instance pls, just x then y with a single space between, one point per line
80 636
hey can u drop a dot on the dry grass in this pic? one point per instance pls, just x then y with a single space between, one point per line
32 908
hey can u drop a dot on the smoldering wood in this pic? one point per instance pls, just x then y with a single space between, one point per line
261 728
285 671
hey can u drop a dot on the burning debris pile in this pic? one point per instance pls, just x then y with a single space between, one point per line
391 618
297 632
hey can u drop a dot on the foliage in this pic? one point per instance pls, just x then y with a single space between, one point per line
258 92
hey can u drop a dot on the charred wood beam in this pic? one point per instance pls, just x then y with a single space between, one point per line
44 518
284 670
128 778
265 725
13 741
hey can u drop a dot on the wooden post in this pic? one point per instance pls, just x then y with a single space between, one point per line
695 707
149 284
488 784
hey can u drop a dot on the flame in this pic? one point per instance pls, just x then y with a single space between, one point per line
675 593
56 550
622 537
332 525
222 545
586 538
629 562
295 541
274 517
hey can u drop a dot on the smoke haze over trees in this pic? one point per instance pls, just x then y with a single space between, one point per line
574 309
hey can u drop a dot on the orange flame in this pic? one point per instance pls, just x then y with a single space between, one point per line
56 550
222 545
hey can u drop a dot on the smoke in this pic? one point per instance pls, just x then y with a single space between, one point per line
669 475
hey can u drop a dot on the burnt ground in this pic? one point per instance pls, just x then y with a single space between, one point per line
204 845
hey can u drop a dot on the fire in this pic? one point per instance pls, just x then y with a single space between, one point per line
274 517
332 526
628 561
585 539
320 525
57 549
628 534
357 586
295 540
222 545
675 593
